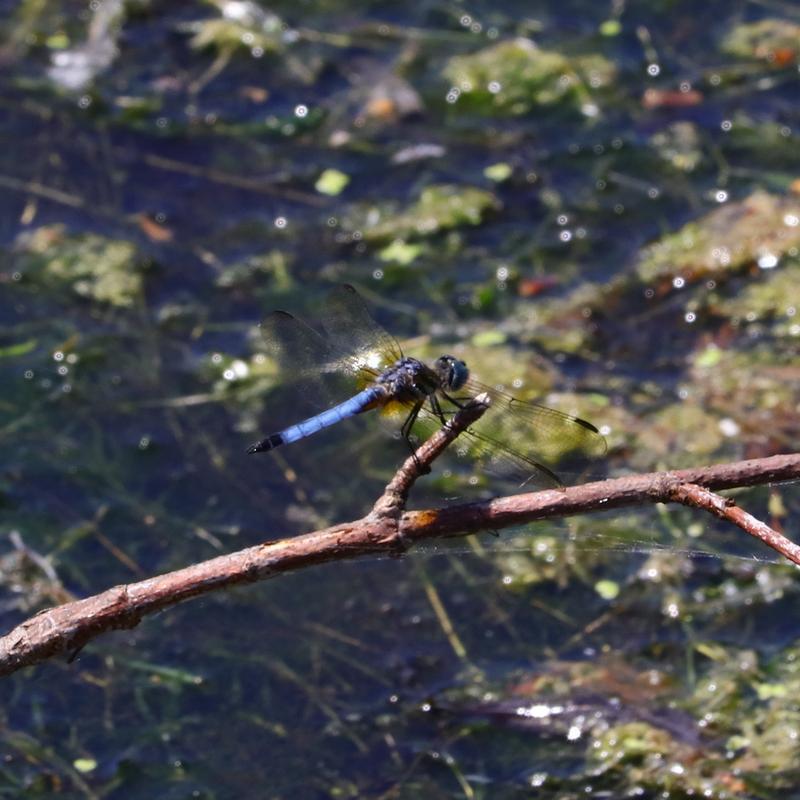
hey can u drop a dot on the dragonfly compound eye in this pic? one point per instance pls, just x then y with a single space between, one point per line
452 372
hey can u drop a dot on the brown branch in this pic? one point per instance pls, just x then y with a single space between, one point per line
690 494
393 500
653 487
389 529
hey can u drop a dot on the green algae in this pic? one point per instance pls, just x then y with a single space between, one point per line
440 208
93 266
772 39
132 459
274 265
728 239
680 145
684 432
514 77
772 298
242 26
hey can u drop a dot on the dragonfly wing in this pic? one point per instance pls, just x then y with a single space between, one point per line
313 376
520 442
362 344
296 347
506 463
487 455
319 370
532 428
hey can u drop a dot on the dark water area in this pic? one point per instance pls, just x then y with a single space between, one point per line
596 206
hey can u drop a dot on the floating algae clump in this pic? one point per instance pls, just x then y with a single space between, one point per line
775 40
102 269
439 208
515 76
761 228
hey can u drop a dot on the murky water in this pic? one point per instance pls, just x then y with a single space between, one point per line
595 206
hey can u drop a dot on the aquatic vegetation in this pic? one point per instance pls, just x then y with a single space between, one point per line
242 25
681 434
75 68
93 266
439 208
498 172
680 145
516 76
753 393
774 40
771 299
401 252
248 271
760 229
331 182
604 221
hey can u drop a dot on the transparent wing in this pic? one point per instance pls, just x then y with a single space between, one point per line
362 345
520 441
352 340
296 347
310 379
320 369
532 428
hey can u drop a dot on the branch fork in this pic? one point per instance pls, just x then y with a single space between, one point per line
392 502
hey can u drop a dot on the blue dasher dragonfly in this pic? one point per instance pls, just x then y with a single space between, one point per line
509 440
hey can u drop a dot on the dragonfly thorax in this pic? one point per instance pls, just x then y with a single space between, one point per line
452 372
409 380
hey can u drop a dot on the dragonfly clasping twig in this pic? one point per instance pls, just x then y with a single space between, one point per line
393 500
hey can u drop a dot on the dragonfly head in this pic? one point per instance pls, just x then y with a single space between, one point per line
452 372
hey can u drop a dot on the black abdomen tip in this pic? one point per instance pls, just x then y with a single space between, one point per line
270 443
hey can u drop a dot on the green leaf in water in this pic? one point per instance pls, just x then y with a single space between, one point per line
498 172
19 349
611 27
331 182
709 357
766 691
58 41
607 589
400 252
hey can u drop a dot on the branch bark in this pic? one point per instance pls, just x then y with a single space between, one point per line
690 494
388 528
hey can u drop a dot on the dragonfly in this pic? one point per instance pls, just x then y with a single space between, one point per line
512 439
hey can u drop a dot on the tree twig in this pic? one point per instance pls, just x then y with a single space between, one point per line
387 529
690 494
393 500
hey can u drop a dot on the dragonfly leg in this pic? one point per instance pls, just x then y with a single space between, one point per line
437 408
405 432
456 401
